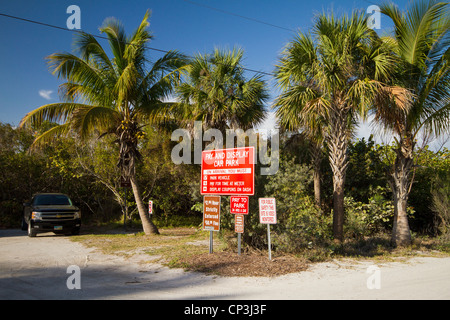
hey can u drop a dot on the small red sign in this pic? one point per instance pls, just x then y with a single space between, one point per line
228 171
239 204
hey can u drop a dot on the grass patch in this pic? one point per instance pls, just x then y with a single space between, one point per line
171 244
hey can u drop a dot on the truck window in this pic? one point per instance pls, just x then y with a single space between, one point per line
46 200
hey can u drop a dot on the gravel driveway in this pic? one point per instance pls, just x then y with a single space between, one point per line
39 268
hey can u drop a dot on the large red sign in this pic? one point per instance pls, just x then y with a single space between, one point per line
228 171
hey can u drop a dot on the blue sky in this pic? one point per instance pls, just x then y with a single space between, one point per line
25 82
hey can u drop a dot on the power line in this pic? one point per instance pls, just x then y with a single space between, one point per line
106 38
238 15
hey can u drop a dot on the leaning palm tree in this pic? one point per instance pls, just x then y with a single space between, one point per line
216 92
333 74
110 96
420 43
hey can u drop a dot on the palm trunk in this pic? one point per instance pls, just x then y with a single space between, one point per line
401 235
128 155
317 198
338 144
147 224
316 155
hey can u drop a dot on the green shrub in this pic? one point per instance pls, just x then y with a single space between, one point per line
368 219
300 223
306 227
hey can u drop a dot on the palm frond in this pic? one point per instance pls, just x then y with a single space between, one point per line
216 92
87 46
117 39
54 112
78 71
48 136
89 119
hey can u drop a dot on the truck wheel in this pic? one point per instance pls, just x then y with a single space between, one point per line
31 232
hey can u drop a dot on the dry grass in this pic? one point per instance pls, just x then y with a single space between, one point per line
230 264
188 248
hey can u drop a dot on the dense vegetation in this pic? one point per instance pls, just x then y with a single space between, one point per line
88 172
115 123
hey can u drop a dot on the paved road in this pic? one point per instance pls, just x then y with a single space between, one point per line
37 268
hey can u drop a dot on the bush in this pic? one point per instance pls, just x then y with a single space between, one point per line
441 205
368 219
300 223
365 219
305 228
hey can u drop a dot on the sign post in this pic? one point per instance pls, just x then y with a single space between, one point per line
268 215
227 172
239 229
211 217
239 207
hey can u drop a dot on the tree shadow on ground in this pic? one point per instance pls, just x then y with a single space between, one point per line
368 247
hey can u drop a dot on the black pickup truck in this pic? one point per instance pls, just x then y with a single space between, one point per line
51 212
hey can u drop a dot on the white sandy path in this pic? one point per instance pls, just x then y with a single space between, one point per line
36 268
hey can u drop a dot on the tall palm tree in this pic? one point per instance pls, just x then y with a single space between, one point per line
110 96
333 74
420 43
216 92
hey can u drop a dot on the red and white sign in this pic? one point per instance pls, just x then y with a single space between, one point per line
228 171
211 213
239 223
150 206
239 204
267 211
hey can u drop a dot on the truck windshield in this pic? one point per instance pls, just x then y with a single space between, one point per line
52 199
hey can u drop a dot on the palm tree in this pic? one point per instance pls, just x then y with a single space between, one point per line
110 96
420 43
309 128
334 74
217 93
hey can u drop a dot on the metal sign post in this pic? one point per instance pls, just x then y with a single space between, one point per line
268 240
239 244
268 215
239 207
210 242
211 217
239 228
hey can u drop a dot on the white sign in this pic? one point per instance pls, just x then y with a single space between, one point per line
150 206
267 211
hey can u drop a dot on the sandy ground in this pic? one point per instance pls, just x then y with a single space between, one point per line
37 268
